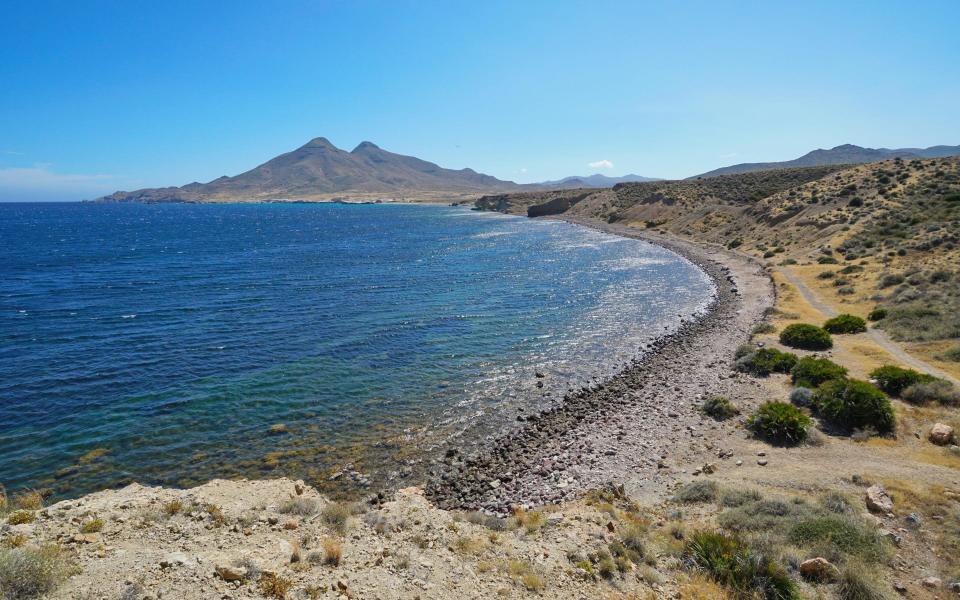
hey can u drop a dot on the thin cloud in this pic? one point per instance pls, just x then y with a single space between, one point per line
601 164
42 181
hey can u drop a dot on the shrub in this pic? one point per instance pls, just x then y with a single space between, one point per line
811 372
877 314
890 280
854 404
336 515
698 492
763 327
91 526
767 360
937 390
805 336
841 535
827 260
802 397
274 586
32 571
855 584
826 275
739 497
953 354
19 517
893 380
845 324
332 552
720 408
732 563
780 423
298 505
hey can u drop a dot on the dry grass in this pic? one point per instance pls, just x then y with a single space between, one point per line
336 515
332 552
274 586
20 517
174 507
700 587
32 571
298 505
91 526
531 521
469 545
28 500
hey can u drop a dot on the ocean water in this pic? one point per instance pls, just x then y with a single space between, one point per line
169 344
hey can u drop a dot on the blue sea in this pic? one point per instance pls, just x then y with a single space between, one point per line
173 343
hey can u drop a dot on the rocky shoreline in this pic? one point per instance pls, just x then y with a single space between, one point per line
624 430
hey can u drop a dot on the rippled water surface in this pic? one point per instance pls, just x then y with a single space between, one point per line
161 343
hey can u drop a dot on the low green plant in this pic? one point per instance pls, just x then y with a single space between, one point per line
893 379
953 354
840 537
857 583
767 360
732 563
32 571
877 314
853 404
720 408
936 390
811 371
845 324
763 327
698 492
806 337
780 423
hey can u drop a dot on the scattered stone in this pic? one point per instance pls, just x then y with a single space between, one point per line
931 582
900 588
914 520
230 573
762 462
941 434
818 569
878 500
174 559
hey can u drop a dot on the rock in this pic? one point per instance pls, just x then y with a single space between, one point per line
762 462
893 537
174 559
900 588
709 469
931 582
229 573
940 434
878 500
818 569
914 520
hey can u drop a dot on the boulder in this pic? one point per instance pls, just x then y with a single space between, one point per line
878 500
931 582
940 434
230 573
818 569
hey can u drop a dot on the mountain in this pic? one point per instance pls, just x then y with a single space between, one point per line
847 154
592 181
319 170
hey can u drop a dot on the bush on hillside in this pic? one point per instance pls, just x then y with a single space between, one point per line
845 324
811 372
806 337
893 379
765 361
732 563
937 390
720 408
877 314
780 423
698 492
853 404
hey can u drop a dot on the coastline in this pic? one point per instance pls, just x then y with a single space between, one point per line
617 432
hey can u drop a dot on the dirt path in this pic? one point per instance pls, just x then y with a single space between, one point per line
879 336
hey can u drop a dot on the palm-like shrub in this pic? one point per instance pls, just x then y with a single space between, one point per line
854 404
893 379
780 423
732 563
806 337
811 371
845 324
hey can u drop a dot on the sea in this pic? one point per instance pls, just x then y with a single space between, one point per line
343 344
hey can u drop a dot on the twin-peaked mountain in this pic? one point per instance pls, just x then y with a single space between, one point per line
319 170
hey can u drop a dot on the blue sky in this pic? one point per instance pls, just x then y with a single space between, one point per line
101 96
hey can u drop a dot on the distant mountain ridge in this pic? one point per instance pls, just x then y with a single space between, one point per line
319 170
846 154
596 180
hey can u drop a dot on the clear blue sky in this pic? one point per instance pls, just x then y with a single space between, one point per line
99 96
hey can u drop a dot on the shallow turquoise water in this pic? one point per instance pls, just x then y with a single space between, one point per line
174 336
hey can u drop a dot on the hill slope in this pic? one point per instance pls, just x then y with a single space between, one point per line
847 154
592 181
320 170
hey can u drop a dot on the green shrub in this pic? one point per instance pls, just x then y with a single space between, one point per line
763 327
811 372
953 354
739 497
937 390
826 275
840 536
893 379
827 260
857 584
853 404
877 314
845 324
32 571
697 492
720 408
890 280
767 360
732 563
806 337
780 423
